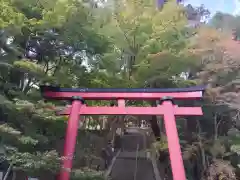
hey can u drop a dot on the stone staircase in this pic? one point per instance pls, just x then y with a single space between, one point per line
125 169
131 141
132 162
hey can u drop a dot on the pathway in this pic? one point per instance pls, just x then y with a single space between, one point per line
132 162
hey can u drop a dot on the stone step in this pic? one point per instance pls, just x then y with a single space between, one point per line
126 166
132 155
126 170
131 142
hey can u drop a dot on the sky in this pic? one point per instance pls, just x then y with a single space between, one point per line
227 6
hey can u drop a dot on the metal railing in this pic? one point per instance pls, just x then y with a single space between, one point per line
136 163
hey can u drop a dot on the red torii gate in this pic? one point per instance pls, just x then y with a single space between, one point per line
166 108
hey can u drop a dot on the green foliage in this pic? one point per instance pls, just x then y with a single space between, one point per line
235 149
9 17
52 38
28 67
161 145
71 44
24 142
87 174
34 163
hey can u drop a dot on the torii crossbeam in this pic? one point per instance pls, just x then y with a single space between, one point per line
167 108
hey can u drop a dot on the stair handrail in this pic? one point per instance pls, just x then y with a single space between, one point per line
136 162
155 168
109 170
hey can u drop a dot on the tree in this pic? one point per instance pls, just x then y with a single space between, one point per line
139 34
218 68
117 44
40 44
225 22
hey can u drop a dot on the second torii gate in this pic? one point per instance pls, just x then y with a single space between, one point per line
167 109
